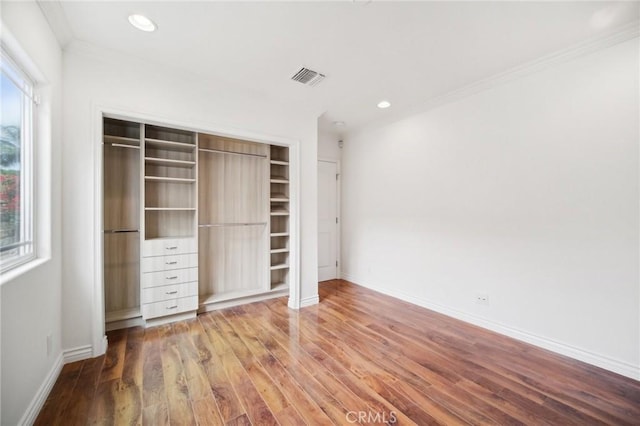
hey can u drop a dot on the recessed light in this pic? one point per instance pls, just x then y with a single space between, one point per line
338 123
384 104
142 23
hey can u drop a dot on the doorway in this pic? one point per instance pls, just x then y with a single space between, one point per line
328 220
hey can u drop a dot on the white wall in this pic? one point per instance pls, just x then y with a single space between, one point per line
31 301
328 145
527 192
94 76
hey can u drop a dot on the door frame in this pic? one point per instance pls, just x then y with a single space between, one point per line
338 212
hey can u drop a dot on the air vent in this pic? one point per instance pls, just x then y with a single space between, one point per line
308 77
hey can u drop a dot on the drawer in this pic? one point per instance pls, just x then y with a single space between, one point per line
166 263
166 292
169 307
168 246
175 276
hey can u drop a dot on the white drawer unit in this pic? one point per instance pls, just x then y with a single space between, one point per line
168 292
175 276
169 246
169 307
167 263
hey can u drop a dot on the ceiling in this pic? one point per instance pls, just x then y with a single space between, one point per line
405 52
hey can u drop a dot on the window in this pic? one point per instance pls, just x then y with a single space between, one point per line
16 172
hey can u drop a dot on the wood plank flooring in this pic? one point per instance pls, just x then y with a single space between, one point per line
358 356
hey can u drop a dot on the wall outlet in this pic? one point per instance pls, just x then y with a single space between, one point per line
482 299
49 344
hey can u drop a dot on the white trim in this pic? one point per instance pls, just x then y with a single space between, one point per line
77 354
36 404
309 301
616 366
98 110
619 35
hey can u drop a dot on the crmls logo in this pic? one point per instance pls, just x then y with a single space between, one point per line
371 417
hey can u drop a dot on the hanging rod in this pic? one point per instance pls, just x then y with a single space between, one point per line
218 151
121 145
214 225
119 231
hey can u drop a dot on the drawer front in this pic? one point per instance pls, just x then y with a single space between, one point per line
167 263
176 276
169 307
167 292
169 246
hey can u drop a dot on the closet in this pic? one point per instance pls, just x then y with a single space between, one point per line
192 222
121 219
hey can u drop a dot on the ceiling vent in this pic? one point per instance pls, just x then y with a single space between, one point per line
308 77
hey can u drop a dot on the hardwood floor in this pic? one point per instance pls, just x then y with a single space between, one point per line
357 356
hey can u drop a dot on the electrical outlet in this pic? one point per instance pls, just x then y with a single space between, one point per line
49 344
482 299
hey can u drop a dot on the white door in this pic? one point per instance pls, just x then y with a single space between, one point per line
327 220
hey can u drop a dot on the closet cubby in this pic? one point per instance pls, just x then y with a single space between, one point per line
279 217
169 182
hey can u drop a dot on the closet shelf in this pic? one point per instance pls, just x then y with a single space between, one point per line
279 198
124 314
122 141
279 266
279 163
279 213
209 299
119 231
215 225
169 209
279 234
172 146
279 179
168 179
279 286
280 250
169 163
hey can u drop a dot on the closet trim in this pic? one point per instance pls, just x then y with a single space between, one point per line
99 111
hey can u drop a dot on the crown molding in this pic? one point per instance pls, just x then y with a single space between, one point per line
616 36
57 19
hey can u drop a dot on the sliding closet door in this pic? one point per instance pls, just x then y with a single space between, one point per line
121 217
233 179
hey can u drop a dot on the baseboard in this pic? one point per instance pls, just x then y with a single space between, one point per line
309 301
616 366
77 354
39 399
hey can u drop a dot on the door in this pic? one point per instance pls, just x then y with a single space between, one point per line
327 220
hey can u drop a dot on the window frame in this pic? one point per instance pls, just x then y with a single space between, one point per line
28 249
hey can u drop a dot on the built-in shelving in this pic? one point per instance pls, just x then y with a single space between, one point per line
169 182
279 212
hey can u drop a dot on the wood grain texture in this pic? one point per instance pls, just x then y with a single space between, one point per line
357 351
232 259
121 188
121 271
